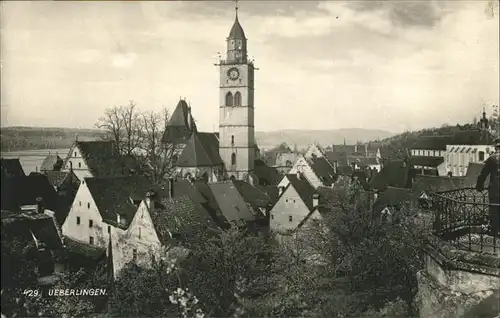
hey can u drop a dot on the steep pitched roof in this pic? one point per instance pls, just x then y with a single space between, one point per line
271 154
433 142
272 192
392 197
303 188
473 171
91 251
113 196
365 161
323 169
180 215
211 204
349 149
19 191
181 124
426 161
252 195
395 173
231 203
265 173
56 178
202 150
52 163
11 167
339 157
436 183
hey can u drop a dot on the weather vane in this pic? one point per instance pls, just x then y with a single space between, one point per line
236 6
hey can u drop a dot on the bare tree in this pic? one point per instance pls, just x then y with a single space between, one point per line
124 125
159 155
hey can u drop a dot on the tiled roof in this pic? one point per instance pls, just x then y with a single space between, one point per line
339 157
84 249
180 215
394 173
266 174
19 191
178 128
436 183
426 161
252 195
473 171
392 197
349 149
231 203
272 192
433 142
51 162
202 150
365 161
439 142
113 195
323 169
56 178
303 188
11 167
236 30
40 225
286 159
271 154
211 204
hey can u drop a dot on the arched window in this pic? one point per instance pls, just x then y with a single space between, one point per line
229 99
237 99
233 159
232 140
232 178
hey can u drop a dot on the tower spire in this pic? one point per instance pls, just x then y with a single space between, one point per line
236 7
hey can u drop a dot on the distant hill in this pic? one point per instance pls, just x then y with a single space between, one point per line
303 138
23 138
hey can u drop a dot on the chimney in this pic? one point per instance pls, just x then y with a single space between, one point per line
299 175
315 200
118 219
149 195
356 148
170 188
39 205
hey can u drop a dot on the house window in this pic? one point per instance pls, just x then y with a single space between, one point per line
272 216
91 223
79 165
139 232
290 218
109 229
233 159
232 140
88 205
481 155
229 99
134 255
91 240
75 154
77 220
153 258
80 203
237 99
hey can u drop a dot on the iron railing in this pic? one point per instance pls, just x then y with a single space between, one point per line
461 217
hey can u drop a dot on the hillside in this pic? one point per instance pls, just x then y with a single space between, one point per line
22 138
303 138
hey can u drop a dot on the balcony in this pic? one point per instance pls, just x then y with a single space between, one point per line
461 218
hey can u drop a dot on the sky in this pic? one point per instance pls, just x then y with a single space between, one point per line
391 65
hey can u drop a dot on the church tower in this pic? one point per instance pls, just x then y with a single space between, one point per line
236 107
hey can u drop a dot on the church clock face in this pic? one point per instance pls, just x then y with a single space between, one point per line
233 73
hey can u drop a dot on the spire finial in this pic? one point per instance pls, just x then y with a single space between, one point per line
236 7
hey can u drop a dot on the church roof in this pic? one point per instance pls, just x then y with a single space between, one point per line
202 150
181 124
237 31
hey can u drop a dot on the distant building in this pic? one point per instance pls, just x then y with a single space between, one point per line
317 170
52 163
458 157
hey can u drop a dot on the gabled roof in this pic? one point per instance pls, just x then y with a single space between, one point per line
436 183
180 215
211 204
339 157
473 171
366 161
271 154
349 149
91 251
392 197
272 192
426 161
52 163
265 173
323 169
181 124
19 191
202 150
433 142
56 178
113 196
11 167
252 195
303 188
439 142
394 173
231 203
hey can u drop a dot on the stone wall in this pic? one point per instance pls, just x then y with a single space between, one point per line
449 287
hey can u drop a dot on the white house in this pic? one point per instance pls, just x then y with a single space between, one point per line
317 170
458 157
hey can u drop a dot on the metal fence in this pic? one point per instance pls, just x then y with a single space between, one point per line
461 216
